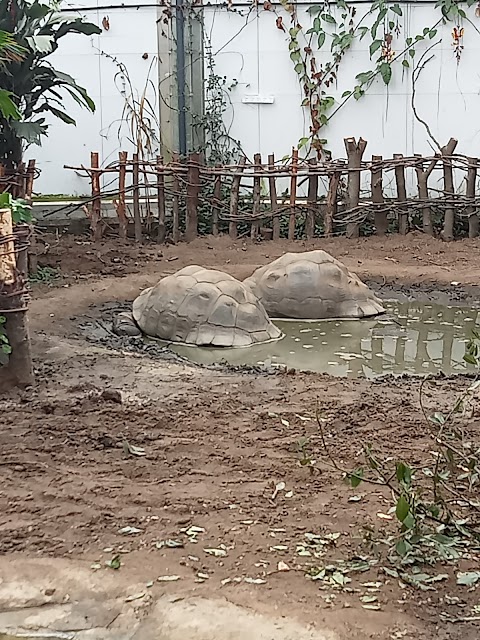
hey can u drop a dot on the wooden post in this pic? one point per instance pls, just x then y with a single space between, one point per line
331 204
193 190
312 201
381 222
28 261
355 153
234 196
470 193
20 186
293 195
160 200
217 196
448 188
401 193
121 208
273 198
422 180
136 198
255 229
175 200
96 219
13 305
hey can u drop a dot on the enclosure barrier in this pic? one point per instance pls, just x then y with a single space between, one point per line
191 198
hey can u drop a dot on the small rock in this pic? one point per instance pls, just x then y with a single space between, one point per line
111 395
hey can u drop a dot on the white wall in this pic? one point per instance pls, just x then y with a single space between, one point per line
253 51
132 33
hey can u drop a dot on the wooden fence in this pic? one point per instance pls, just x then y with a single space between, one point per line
181 199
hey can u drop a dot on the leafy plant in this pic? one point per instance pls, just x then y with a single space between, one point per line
21 210
44 275
435 504
5 348
30 80
10 51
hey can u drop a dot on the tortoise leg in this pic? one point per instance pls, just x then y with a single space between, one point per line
124 325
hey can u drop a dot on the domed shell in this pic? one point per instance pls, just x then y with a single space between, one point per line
312 285
203 307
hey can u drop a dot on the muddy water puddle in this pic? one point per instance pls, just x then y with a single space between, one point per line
412 338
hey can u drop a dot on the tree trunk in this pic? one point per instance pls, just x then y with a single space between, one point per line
448 188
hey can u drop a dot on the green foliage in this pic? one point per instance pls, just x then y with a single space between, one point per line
21 210
29 79
334 35
5 348
44 275
10 51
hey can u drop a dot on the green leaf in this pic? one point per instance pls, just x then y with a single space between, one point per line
61 115
321 39
386 72
317 25
409 521
411 53
401 548
302 142
345 94
316 8
363 32
375 46
403 473
365 77
8 108
468 357
355 477
328 18
402 508
437 418
31 132
396 9
406 63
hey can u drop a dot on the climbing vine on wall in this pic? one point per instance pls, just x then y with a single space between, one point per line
333 31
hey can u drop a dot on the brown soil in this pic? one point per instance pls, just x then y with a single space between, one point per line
216 443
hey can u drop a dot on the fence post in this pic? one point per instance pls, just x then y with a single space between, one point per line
19 370
217 196
272 187
235 194
96 218
293 195
137 219
255 228
121 209
401 193
470 193
312 201
175 199
448 188
160 200
331 203
380 217
193 189
355 153
422 180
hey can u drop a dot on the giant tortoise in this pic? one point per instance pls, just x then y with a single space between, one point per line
200 306
312 285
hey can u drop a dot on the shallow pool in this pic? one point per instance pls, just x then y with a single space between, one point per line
412 338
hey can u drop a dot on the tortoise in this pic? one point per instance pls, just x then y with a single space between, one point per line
312 285
199 306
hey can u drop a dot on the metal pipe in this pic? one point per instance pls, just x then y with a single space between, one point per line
182 114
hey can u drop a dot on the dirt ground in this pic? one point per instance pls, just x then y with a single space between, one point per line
215 445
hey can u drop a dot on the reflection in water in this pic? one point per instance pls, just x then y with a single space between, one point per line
412 338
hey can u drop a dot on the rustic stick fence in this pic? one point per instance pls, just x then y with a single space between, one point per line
185 198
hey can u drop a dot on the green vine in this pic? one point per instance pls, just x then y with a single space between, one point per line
337 33
5 348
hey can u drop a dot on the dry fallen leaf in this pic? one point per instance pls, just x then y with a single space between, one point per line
168 578
283 566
